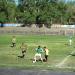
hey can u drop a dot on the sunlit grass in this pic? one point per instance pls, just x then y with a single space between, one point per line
57 45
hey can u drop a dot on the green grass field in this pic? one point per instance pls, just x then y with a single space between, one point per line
58 52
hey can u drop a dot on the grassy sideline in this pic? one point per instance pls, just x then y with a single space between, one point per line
57 46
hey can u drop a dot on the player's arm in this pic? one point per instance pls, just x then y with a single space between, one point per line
42 50
20 46
36 49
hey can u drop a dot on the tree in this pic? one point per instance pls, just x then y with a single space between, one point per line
11 11
41 12
7 11
71 12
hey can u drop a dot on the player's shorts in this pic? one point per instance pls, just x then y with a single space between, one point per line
13 43
46 56
70 40
24 51
37 55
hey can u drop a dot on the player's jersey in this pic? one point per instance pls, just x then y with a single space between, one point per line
46 51
13 40
23 47
39 50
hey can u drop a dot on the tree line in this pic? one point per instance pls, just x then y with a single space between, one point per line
38 12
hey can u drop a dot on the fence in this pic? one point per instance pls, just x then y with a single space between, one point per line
54 30
21 30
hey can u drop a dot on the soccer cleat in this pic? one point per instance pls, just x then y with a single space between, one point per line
34 61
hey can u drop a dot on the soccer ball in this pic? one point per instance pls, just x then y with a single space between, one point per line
33 61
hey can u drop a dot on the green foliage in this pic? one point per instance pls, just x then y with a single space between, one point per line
7 10
2 17
11 10
49 11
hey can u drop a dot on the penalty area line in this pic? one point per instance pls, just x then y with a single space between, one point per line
64 60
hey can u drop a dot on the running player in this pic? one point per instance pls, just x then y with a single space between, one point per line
70 41
23 50
13 41
46 53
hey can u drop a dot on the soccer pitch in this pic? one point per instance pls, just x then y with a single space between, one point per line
59 52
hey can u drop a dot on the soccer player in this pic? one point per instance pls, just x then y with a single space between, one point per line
39 51
13 41
70 41
46 53
23 50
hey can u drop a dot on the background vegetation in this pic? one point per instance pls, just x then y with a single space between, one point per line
37 11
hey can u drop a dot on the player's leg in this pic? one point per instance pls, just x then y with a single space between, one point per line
41 57
46 57
35 58
70 43
13 44
23 54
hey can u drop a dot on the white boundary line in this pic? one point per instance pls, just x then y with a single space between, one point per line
52 66
49 66
67 67
64 60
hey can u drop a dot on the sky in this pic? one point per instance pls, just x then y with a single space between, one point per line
65 0
70 0
16 1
